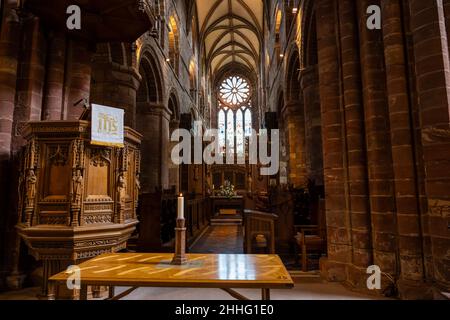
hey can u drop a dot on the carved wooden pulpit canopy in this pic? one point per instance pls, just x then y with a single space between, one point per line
77 200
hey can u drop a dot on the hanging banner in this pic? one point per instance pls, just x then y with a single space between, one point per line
107 127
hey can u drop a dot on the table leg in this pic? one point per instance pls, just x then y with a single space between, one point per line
111 292
51 287
235 294
266 294
84 292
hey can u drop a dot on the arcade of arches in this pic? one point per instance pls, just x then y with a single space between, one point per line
363 116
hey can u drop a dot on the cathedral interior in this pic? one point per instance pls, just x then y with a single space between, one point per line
357 93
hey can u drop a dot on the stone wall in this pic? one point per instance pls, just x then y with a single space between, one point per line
384 124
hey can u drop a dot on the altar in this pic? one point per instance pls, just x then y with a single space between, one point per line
227 205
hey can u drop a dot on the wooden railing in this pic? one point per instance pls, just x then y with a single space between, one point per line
197 217
157 217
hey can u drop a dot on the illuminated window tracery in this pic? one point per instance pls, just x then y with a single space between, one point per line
235 115
234 91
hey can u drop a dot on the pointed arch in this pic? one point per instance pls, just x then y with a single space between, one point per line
173 106
308 41
174 43
151 87
293 75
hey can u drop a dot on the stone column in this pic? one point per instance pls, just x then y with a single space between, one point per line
402 140
433 89
28 104
30 79
378 140
54 85
313 127
153 123
9 48
78 77
9 45
334 268
359 207
165 143
294 122
174 170
116 85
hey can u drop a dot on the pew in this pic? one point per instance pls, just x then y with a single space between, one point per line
259 231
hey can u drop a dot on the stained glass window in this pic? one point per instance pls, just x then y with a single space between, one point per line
234 91
239 132
248 123
222 127
235 115
230 131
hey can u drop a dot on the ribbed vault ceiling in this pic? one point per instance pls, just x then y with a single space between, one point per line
231 32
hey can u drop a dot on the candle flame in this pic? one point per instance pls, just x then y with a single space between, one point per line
181 195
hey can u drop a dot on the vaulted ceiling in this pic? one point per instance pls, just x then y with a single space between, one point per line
231 32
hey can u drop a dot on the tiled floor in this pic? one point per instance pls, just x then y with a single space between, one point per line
220 239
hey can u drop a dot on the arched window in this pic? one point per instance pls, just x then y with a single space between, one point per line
173 44
235 115
278 22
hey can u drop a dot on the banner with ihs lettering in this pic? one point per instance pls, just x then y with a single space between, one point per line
107 128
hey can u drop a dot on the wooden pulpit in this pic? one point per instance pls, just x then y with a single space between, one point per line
77 200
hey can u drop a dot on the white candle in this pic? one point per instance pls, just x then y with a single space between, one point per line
181 207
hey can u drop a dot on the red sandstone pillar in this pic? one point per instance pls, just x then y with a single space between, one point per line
356 145
30 79
379 153
115 85
402 140
9 47
78 78
312 123
338 228
54 86
174 170
29 84
433 88
294 124
153 122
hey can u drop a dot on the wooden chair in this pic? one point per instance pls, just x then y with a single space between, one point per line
312 237
259 231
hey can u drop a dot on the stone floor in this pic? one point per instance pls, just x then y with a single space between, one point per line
220 239
305 289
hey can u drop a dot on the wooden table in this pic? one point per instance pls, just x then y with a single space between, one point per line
222 271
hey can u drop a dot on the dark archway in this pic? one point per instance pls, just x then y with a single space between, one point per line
174 170
293 115
149 107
